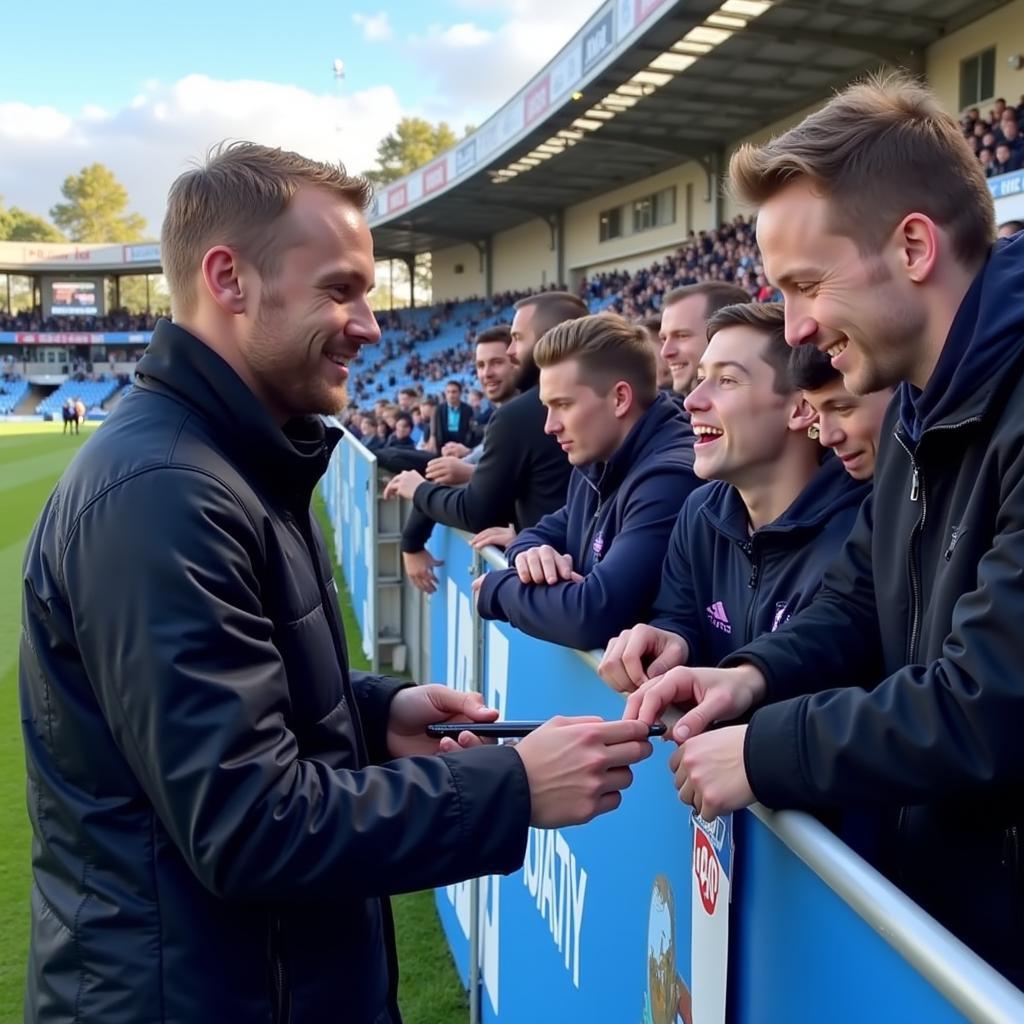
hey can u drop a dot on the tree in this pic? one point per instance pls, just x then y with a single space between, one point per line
18 225
413 143
95 210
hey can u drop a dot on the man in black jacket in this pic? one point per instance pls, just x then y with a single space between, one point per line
900 687
219 806
523 474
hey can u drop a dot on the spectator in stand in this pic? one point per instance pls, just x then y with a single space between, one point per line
383 432
684 318
651 326
750 549
1009 228
1012 137
482 409
985 158
587 571
401 437
428 410
407 399
453 420
500 380
523 474
851 425
899 688
1005 161
370 435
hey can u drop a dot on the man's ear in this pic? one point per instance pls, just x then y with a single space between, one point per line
222 279
917 239
622 392
801 414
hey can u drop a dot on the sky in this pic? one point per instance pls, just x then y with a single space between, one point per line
147 88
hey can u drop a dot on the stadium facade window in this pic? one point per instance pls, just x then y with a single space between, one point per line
978 78
655 211
611 224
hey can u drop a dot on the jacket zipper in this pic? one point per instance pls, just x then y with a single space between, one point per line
589 535
917 492
282 1002
755 577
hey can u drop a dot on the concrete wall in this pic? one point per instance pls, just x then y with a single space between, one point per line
446 283
523 257
1004 29
583 246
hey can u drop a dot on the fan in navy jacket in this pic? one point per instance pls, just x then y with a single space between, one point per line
749 549
592 567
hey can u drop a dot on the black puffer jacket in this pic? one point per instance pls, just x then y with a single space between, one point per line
921 621
216 822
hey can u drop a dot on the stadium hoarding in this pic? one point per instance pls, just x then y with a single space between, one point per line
63 256
599 923
1008 192
75 337
605 36
350 494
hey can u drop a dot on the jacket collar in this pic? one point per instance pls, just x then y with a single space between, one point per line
829 490
288 462
982 350
661 427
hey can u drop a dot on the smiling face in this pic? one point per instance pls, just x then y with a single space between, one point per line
850 425
861 311
684 338
495 370
740 420
313 315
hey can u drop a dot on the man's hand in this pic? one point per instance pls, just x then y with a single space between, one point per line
416 707
709 772
419 567
477 586
455 450
544 564
578 767
709 695
449 470
499 536
640 653
404 485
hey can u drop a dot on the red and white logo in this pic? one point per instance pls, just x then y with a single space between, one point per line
707 870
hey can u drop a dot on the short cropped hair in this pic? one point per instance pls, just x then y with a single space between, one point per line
553 308
608 349
236 198
454 383
880 149
499 332
770 320
811 369
717 293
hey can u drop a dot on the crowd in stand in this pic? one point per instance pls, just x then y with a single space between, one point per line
996 139
115 320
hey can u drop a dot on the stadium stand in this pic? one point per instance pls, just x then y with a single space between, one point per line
92 392
11 393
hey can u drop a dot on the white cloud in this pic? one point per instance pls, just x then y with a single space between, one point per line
376 27
470 71
159 132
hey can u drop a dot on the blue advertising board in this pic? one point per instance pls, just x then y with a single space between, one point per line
598 924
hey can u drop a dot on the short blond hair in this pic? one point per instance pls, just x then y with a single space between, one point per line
608 349
235 198
881 149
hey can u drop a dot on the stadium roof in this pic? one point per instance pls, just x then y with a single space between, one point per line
646 85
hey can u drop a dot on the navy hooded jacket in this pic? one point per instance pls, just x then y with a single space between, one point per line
616 523
723 585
